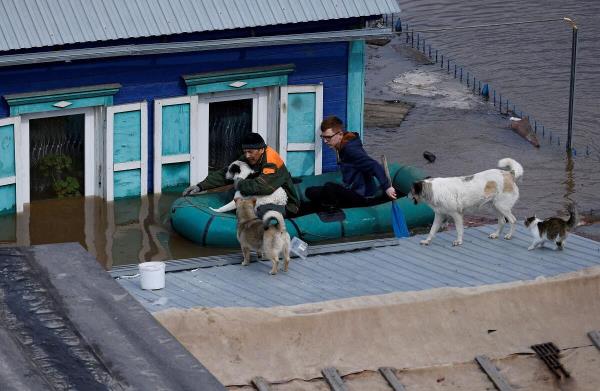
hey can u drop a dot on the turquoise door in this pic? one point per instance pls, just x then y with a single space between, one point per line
301 113
126 150
8 166
176 149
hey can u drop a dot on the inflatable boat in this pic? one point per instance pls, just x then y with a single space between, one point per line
192 217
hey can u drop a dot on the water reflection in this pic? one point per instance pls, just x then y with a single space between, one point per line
116 233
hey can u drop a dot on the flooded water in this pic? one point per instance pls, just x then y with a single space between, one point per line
117 233
529 64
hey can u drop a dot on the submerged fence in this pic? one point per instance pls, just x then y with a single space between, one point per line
479 87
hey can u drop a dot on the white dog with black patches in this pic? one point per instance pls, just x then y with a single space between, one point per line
453 196
241 170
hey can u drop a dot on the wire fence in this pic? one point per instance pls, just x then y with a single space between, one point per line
485 89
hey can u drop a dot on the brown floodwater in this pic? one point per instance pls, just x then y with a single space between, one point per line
122 232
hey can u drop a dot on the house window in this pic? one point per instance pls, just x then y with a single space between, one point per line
228 121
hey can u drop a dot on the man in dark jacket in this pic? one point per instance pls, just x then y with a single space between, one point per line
358 172
271 173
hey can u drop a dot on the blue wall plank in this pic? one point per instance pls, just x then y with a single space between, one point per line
175 177
301 117
301 162
127 183
127 137
176 129
8 198
7 151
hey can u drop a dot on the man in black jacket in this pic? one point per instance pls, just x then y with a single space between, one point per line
358 172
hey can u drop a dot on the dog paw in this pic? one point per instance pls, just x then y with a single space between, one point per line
508 236
425 242
273 272
245 263
530 248
493 235
457 243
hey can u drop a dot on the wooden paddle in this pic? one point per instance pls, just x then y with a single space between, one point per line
398 220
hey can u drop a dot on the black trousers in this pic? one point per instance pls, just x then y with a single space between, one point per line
334 195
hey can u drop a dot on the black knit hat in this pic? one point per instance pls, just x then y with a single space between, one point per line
253 141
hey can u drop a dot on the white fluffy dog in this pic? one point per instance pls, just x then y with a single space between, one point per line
453 196
241 170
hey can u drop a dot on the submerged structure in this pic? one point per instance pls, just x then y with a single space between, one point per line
116 100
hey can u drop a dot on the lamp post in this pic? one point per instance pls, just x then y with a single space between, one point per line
572 85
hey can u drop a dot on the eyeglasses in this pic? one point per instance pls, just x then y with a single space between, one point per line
328 138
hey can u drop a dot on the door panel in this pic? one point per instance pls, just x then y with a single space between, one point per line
301 114
176 162
126 150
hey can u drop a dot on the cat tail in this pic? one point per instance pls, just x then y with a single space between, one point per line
515 168
573 216
272 214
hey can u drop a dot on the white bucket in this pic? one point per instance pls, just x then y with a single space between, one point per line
152 275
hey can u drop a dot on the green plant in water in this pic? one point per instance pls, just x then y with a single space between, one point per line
58 167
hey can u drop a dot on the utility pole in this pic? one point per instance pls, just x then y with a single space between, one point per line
572 86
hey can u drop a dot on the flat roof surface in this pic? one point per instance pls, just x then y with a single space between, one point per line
396 266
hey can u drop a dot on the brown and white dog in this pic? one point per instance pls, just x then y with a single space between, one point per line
455 195
256 234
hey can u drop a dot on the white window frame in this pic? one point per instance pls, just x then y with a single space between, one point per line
198 151
142 164
317 146
260 108
91 137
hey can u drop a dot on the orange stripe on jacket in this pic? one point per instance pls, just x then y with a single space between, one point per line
272 157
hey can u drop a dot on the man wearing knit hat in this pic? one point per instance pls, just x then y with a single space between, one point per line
271 173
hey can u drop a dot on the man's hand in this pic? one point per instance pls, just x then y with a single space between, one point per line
194 189
391 192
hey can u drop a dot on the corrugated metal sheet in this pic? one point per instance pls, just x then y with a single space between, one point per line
407 266
38 23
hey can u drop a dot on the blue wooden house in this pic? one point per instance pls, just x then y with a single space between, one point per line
149 95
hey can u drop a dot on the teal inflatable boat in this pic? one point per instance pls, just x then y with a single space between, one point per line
192 217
